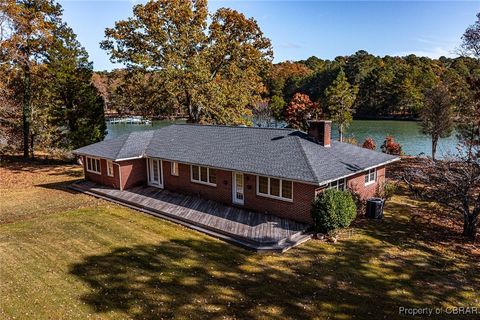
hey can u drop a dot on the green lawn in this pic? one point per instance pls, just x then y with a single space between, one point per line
65 255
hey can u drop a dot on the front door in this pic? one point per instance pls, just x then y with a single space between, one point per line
155 174
238 188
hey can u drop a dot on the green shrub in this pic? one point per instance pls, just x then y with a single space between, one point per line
333 209
387 190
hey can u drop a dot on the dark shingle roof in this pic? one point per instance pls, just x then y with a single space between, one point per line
131 145
282 153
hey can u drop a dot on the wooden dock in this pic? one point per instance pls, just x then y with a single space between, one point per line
256 231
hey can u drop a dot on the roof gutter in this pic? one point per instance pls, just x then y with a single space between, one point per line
103 157
131 158
360 170
302 181
234 170
91 155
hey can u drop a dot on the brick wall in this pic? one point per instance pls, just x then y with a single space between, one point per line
134 172
103 178
182 184
357 183
299 209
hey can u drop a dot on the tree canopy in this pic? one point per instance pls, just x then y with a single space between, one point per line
388 87
28 28
211 63
300 110
46 77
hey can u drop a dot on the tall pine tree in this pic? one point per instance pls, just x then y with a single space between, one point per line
51 77
76 108
340 97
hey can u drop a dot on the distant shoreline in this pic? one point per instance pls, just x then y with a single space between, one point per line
390 118
109 116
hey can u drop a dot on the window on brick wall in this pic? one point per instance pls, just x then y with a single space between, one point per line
174 168
204 175
337 184
275 188
93 165
109 168
263 185
370 176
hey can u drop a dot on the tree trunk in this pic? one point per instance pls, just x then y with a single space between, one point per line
434 147
26 111
193 114
340 133
470 226
32 141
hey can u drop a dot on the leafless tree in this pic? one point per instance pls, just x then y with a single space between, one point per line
471 40
453 182
437 115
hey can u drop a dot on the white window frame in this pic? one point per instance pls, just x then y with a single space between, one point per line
174 168
271 196
208 183
89 165
336 184
109 168
368 176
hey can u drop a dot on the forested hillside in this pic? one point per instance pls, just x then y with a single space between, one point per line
388 87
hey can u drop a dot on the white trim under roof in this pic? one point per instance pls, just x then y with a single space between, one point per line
235 170
131 158
92 156
254 173
107 158
360 171
294 180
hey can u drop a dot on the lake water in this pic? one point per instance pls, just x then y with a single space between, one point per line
407 133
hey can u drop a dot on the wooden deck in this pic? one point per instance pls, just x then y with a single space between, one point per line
249 229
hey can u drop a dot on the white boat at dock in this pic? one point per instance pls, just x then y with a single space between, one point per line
130 120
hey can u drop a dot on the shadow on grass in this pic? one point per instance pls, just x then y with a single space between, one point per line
55 167
207 279
61 186
419 225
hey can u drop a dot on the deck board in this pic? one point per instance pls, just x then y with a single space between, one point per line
232 221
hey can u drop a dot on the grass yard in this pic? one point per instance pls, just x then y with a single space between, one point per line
65 255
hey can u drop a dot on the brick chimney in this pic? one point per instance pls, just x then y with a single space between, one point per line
320 131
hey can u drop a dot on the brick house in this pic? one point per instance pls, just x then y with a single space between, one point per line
275 171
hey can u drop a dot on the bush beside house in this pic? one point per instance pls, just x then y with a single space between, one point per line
333 209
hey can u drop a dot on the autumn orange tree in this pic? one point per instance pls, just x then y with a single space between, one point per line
283 76
211 63
390 146
300 109
369 143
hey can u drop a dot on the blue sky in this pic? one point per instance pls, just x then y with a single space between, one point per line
300 29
